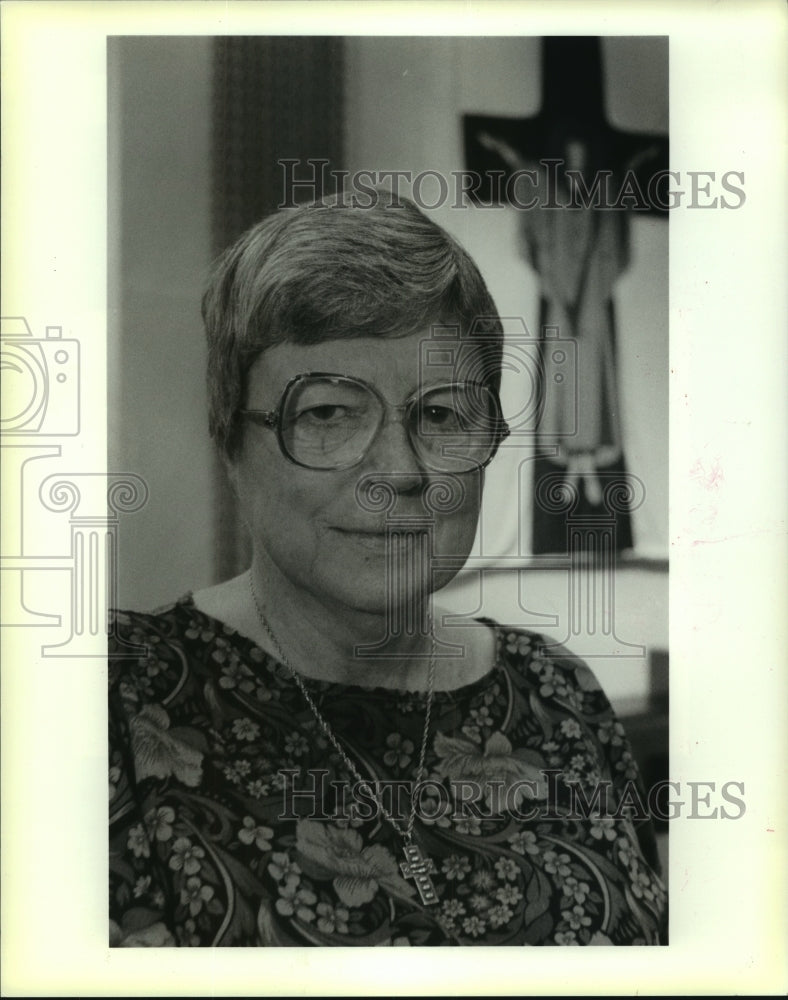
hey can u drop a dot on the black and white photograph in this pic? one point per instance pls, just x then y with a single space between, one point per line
430 446
403 590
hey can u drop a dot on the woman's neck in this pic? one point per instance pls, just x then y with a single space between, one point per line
320 641
334 642
323 643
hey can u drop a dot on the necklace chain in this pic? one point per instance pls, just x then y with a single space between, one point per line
407 833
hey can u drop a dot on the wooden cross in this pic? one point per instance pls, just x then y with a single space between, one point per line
578 253
572 114
419 868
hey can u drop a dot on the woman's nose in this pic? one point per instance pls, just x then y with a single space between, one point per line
392 454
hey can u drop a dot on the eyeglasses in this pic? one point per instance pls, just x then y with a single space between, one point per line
326 421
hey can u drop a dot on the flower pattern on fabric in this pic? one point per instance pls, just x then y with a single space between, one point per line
158 753
498 769
358 871
233 821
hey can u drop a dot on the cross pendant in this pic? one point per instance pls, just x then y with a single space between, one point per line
419 868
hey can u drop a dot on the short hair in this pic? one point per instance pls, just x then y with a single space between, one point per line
330 270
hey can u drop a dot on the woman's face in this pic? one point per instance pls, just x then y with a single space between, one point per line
307 525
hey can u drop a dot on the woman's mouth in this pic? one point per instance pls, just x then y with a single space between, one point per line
374 539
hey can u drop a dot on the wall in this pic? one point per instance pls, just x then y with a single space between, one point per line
159 240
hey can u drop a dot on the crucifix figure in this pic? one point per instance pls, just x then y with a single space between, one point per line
575 179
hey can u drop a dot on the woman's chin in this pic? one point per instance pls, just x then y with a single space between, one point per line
373 594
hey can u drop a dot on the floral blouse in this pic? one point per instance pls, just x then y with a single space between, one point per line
234 821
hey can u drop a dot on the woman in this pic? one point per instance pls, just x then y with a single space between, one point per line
308 753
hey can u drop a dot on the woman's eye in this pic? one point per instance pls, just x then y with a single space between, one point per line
439 416
325 414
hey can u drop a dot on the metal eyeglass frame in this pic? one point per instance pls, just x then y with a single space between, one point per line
272 418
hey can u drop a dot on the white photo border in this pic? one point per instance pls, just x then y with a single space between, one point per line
729 689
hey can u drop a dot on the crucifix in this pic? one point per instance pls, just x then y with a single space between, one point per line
419 868
575 179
